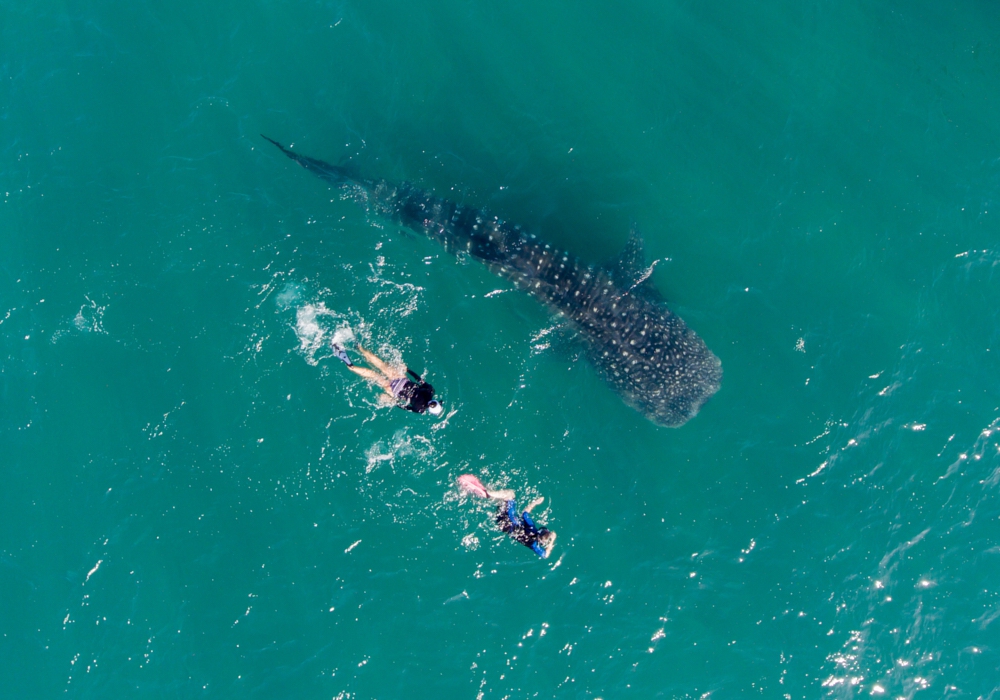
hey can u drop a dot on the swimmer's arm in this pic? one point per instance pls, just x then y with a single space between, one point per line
550 542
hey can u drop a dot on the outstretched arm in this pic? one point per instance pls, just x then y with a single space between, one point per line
550 542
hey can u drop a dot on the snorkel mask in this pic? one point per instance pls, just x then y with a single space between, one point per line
434 407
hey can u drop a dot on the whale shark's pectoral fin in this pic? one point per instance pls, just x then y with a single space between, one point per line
560 336
630 271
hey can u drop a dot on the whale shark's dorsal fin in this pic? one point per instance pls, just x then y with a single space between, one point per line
630 271
627 267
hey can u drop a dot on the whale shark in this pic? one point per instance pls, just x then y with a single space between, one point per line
645 352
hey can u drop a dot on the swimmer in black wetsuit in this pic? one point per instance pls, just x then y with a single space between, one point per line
400 389
521 528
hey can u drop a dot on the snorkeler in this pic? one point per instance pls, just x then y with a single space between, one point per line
416 396
521 528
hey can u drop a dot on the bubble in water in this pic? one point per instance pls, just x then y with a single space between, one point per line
289 296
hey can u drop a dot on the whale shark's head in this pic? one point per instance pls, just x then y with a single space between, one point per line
655 362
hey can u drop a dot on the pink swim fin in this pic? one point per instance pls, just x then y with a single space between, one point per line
470 484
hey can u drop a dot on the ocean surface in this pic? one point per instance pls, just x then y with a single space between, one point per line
198 501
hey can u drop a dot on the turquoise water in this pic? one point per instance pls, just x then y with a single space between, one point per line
199 501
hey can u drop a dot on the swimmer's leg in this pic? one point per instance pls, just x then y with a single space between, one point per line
503 518
512 513
373 377
380 364
501 495
536 502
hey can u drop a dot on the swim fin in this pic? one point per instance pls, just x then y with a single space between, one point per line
341 354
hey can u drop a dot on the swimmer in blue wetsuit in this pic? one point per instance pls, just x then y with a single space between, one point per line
521 528
396 382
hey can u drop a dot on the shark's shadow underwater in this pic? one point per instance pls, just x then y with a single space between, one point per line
649 356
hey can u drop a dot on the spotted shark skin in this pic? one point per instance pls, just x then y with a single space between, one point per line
646 353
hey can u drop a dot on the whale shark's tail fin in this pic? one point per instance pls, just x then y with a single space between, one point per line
334 174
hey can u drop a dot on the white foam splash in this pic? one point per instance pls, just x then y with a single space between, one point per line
94 570
314 333
643 277
343 335
401 446
464 595
90 317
